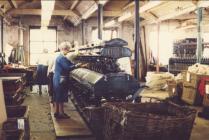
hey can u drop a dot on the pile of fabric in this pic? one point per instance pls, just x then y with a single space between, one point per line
158 81
199 69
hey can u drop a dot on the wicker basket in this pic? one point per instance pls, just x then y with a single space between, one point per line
95 119
147 121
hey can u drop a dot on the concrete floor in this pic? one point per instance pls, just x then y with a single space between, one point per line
41 125
200 129
42 128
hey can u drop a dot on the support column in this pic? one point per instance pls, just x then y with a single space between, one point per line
2 45
100 21
158 47
1 24
199 37
136 40
83 33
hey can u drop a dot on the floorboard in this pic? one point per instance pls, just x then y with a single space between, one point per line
74 127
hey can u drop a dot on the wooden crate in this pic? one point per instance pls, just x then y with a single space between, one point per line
191 96
191 79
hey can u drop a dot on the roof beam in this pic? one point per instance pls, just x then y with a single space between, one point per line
203 3
150 5
110 13
93 8
178 13
12 3
146 7
38 12
75 3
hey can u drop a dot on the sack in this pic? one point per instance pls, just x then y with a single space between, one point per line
63 80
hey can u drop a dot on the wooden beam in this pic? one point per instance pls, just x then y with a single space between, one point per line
75 3
38 12
203 3
110 14
150 5
12 3
170 16
146 7
93 9
178 13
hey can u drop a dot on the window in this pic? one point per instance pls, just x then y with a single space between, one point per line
165 45
40 40
107 34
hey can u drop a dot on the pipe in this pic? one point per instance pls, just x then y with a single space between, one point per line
100 21
82 29
199 37
136 40
158 47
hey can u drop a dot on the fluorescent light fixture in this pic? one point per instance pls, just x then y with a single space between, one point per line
110 23
90 11
47 7
125 16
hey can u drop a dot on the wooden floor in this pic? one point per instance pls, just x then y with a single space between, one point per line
72 128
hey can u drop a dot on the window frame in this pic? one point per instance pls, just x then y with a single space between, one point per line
39 27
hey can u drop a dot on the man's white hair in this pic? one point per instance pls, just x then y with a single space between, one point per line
65 45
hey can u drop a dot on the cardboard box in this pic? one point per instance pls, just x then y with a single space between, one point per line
191 79
191 96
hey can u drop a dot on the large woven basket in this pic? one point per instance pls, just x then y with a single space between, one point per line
147 121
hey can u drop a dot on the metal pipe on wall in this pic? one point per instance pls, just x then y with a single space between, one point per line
199 50
136 40
100 21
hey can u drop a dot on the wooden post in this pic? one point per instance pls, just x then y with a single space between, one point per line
158 47
136 40
3 115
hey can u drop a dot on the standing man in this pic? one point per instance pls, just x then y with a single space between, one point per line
42 67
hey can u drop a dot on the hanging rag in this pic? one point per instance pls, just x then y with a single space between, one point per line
201 87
